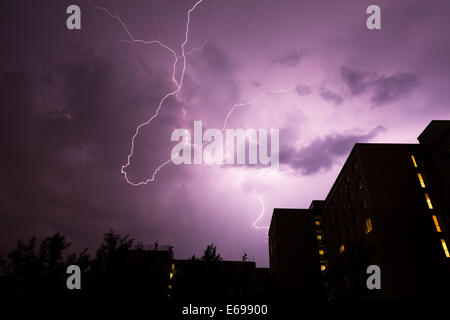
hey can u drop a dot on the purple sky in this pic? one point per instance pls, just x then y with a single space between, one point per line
71 101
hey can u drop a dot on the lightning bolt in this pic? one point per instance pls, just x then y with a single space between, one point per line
178 83
178 87
263 209
237 105
245 104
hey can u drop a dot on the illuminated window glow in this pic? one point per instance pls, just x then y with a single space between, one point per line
322 267
341 248
421 180
319 237
367 225
444 246
321 252
427 197
436 223
414 161
173 266
170 287
317 223
171 276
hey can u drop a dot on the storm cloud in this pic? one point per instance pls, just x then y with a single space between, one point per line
383 89
331 96
303 90
323 152
357 81
388 89
290 58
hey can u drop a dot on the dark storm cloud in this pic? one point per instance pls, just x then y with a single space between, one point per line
212 86
214 60
103 111
64 159
384 89
388 89
303 90
331 96
290 58
356 80
16 121
321 153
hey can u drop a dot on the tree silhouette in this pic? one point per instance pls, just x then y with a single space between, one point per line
101 275
27 274
210 254
82 260
21 271
31 273
51 252
36 271
244 257
112 243
139 246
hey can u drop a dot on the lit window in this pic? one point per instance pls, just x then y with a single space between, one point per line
321 252
170 287
444 245
367 225
319 237
436 223
341 248
322 267
171 276
421 180
173 266
317 223
414 161
427 197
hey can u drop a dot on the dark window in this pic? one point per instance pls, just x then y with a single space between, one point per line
360 185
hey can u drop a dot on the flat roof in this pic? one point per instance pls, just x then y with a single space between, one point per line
355 147
434 131
278 211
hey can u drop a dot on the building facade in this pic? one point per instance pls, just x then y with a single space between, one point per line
297 253
389 207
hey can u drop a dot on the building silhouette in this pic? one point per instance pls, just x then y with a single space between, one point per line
389 206
218 281
297 252
153 275
137 273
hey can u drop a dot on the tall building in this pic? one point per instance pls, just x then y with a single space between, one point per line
389 207
297 253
